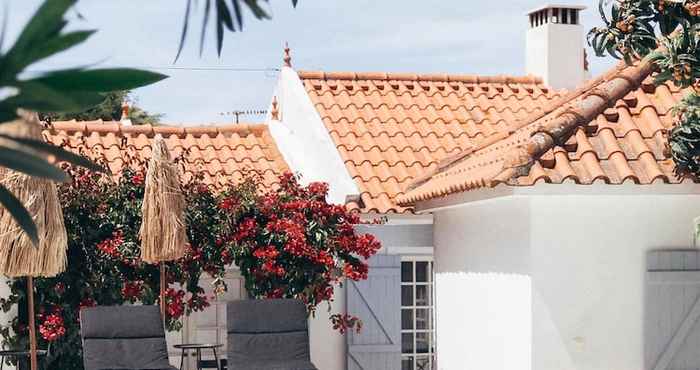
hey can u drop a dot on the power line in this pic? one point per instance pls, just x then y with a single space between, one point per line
172 68
233 69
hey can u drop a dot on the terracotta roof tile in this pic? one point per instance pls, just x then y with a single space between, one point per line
220 153
611 141
391 128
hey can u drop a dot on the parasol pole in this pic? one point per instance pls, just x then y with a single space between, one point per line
32 325
163 282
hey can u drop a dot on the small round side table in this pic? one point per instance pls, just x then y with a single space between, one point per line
197 348
18 354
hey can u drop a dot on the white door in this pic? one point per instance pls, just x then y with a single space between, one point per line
209 326
672 331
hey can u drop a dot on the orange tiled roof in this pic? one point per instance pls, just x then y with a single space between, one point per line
391 128
220 153
613 131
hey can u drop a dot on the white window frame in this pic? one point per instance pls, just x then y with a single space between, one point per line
431 354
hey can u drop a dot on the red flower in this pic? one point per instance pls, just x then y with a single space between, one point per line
367 245
325 259
198 302
131 291
87 302
138 179
174 303
318 189
228 204
355 272
275 293
245 229
345 322
269 252
111 246
53 327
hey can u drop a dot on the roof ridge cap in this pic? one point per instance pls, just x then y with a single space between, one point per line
555 131
532 118
117 127
430 77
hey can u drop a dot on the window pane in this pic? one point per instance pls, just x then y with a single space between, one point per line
423 319
407 363
406 272
422 342
406 319
423 363
422 295
407 343
407 295
422 272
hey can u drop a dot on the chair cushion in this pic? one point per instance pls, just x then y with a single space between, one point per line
293 346
123 338
146 353
273 365
266 316
121 322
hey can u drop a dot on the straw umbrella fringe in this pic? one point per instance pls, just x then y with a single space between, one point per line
18 256
163 233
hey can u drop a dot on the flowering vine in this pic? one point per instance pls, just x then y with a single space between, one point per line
287 241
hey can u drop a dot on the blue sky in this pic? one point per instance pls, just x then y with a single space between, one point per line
453 36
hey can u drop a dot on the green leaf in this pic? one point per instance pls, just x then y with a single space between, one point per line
98 80
205 23
258 11
30 164
58 44
238 13
223 18
19 213
224 14
46 22
38 97
60 153
185 27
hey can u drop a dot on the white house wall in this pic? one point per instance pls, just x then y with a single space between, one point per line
585 258
588 263
483 286
303 140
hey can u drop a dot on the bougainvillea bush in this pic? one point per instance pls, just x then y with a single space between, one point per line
288 242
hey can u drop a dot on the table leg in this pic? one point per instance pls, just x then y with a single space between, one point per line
216 358
182 358
2 363
199 359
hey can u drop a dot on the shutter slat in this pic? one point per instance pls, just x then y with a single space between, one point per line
377 302
672 328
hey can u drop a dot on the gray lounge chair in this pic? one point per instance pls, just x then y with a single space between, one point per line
269 334
123 337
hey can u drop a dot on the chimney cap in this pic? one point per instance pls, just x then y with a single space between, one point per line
560 6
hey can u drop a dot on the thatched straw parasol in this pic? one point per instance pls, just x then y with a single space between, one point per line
163 234
18 255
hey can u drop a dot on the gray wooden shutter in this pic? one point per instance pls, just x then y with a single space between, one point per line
377 302
672 331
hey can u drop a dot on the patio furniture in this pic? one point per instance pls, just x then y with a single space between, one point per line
270 334
123 337
197 348
18 354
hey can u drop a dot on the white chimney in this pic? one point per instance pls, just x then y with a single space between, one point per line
555 45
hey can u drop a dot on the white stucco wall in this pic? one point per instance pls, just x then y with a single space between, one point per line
585 257
483 286
303 139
